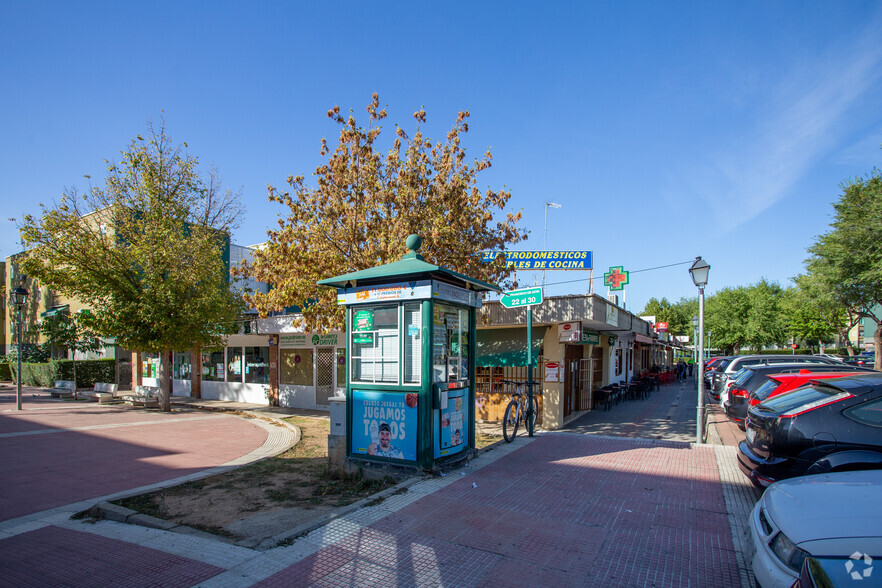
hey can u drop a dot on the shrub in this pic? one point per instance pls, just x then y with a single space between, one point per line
89 372
5 372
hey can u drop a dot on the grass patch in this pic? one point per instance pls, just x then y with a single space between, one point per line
483 440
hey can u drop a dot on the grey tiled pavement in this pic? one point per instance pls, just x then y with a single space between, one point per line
562 509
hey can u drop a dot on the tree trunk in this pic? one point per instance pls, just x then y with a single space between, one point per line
164 382
877 345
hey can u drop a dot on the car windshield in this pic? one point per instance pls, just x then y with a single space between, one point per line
802 399
723 365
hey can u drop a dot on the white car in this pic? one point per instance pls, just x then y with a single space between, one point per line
831 516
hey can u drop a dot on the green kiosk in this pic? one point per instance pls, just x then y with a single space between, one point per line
410 386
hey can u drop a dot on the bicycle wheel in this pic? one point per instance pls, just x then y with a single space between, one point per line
510 421
535 416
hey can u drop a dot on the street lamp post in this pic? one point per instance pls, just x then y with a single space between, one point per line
695 357
19 298
699 271
545 238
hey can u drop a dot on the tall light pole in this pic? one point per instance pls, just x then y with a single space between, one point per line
545 239
695 357
699 271
19 298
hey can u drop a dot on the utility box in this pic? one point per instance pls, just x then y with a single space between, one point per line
410 386
338 415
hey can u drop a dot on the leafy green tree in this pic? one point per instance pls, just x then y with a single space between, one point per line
813 314
145 252
364 205
764 324
726 316
678 314
70 332
847 259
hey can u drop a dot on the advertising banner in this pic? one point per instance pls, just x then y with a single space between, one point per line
384 424
543 260
451 436
420 290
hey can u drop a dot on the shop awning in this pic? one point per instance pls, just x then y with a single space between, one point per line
60 309
643 339
507 347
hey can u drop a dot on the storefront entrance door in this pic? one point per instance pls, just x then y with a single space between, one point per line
572 381
326 364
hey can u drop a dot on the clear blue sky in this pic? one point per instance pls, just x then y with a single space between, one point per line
665 130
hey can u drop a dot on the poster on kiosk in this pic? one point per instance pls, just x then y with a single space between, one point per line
453 433
384 424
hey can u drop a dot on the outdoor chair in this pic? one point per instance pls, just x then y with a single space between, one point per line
144 396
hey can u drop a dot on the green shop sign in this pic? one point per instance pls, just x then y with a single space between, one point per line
365 339
590 338
363 320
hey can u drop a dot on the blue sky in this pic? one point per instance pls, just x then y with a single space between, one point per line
665 130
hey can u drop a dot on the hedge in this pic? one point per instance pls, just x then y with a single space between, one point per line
89 372
801 351
5 373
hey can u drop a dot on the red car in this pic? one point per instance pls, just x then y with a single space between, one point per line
781 383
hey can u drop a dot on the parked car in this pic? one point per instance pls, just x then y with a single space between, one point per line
831 519
830 356
825 426
781 383
861 360
738 395
722 376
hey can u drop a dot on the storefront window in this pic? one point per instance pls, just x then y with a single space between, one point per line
374 342
213 365
413 321
150 365
181 366
450 343
296 367
234 364
257 365
341 367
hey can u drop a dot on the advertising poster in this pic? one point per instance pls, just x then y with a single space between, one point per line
384 424
452 432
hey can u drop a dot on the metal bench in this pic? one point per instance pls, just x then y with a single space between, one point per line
103 393
63 389
143 396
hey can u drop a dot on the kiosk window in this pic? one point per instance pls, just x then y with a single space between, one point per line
375 344
450 343
413 315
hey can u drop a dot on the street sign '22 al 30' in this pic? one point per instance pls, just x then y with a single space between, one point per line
524 297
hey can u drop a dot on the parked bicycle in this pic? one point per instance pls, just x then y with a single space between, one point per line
516 412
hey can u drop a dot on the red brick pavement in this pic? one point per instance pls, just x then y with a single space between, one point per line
565 510
727 431
50 469
84 559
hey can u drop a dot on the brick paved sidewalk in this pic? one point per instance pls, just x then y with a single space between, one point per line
564 510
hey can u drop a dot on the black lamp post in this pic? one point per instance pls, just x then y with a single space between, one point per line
20 299
699 272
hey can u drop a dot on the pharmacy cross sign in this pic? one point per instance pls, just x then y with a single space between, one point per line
616 278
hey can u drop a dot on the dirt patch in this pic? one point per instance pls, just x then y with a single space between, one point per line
265 498
262 500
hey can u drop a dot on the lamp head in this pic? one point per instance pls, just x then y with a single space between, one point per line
552 204
20 296
695 322
699 271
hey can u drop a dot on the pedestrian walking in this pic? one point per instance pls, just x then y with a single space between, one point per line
689 366
681 370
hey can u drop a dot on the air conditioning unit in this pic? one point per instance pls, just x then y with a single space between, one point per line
614 298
